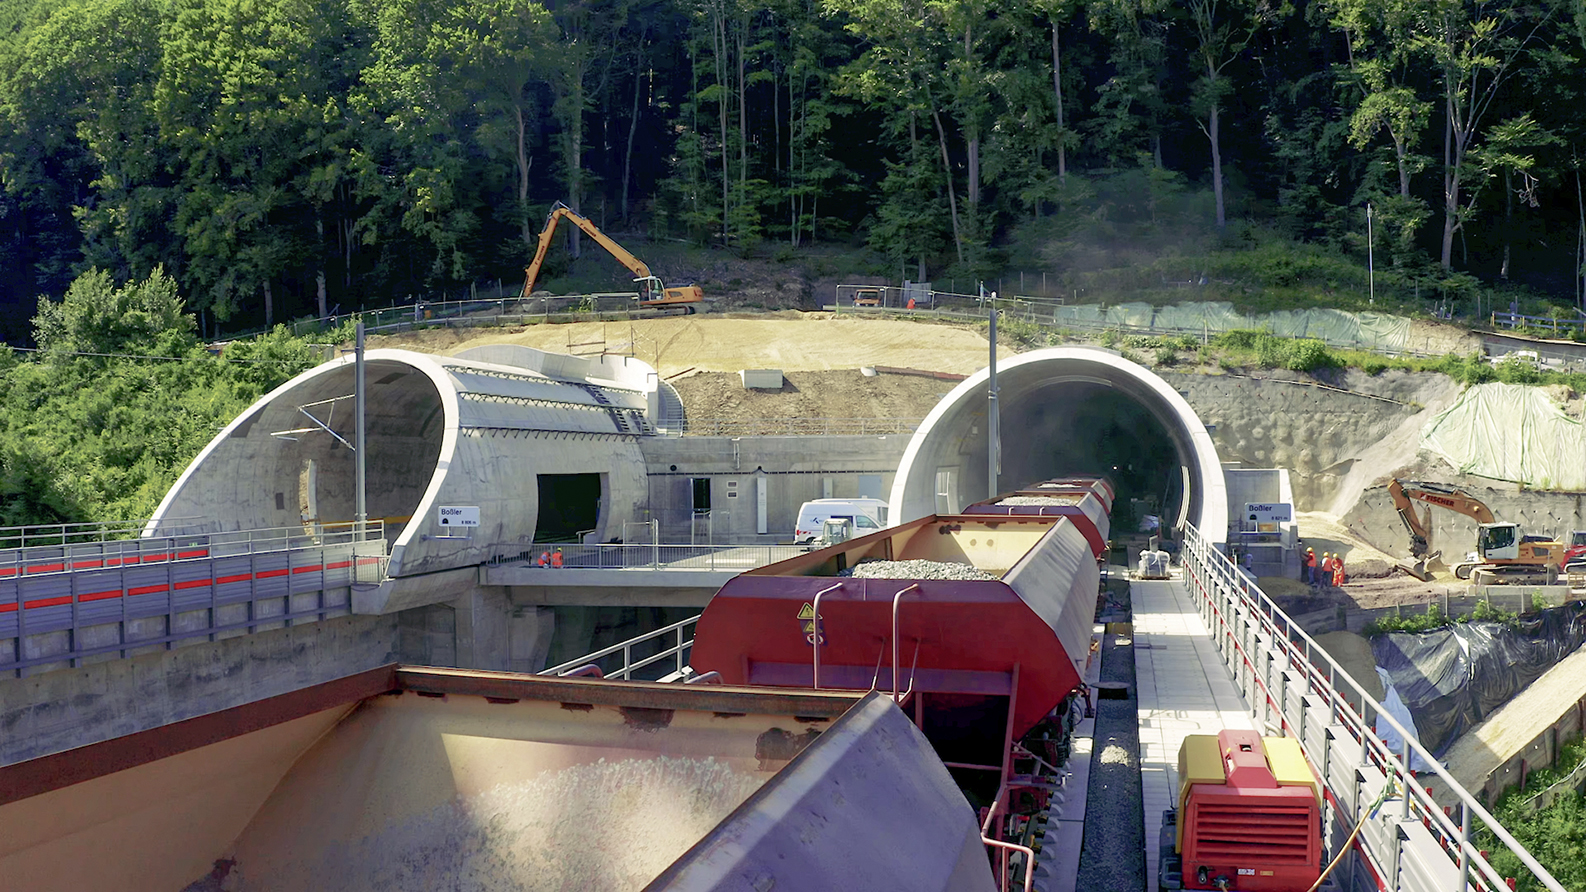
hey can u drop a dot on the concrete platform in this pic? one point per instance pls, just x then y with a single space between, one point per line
1184 689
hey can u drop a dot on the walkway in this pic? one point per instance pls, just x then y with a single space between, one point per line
1183 689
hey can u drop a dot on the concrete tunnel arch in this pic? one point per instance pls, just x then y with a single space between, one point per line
1066 410
488 428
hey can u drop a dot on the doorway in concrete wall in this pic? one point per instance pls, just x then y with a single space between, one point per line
569 507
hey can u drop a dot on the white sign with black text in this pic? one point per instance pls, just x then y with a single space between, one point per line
459 515
1269 512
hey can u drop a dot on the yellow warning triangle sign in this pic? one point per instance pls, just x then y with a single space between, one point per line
807 611
809 627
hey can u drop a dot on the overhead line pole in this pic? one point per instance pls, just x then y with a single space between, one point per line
993 433
361 466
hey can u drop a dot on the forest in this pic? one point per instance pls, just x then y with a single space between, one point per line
288 158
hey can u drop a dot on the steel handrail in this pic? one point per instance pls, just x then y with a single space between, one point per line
1222 571
815 625
896 599
626 647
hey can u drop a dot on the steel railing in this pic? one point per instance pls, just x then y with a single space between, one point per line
671 643
89 531
1269 657
646 557
796 427
95 554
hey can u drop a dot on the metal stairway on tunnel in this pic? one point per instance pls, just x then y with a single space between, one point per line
628 421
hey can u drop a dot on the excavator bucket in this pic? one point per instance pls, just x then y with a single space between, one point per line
1416 568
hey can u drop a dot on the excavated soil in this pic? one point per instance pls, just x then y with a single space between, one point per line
787 340
835 394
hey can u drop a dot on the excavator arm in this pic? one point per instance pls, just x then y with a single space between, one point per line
532 271
1405 494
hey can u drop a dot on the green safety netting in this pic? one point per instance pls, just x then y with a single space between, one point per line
1202 316
1510 432
1373 330
1081 314
1134 315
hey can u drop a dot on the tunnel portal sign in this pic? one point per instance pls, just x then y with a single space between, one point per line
1269 512
459 515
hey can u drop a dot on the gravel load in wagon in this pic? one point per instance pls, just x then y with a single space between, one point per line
915 569
1040 500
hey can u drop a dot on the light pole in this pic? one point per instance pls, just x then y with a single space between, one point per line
1371 266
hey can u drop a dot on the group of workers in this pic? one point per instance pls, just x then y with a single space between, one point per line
1328 570
549 559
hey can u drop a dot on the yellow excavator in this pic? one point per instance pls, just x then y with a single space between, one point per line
653 293
1503 552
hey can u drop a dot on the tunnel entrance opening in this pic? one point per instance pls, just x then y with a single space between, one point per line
1080 427
569 506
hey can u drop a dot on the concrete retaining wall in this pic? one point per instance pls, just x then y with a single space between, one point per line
68 708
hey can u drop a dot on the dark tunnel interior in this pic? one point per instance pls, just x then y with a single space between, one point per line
1079 427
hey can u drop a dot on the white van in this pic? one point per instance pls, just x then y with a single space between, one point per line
868 515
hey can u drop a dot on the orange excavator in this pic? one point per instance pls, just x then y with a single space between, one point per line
1503 552
653 293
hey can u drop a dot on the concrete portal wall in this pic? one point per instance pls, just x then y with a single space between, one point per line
795 470
59 710
442 431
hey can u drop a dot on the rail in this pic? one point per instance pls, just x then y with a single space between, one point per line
90 531
644 557
662 638
1295 685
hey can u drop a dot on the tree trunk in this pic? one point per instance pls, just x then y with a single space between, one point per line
720 41
633 129
947 171
743 120
1451 159
1508 222
319 267
269 306
575 155
1217 166
524 224
1057 90
1404 166
971 141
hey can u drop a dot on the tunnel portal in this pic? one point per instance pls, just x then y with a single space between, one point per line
1069 410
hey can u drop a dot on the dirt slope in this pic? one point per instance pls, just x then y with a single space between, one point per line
789 340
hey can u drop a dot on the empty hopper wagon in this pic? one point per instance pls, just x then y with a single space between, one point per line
1086 501
423 779
978 627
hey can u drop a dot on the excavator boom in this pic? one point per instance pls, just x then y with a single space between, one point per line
651 289
1432 494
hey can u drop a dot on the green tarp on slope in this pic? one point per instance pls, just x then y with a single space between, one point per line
1371 330
1510 432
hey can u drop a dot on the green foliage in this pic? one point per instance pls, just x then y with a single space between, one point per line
1268 351
1485 612
89 438
99 317
1555 835
1432 619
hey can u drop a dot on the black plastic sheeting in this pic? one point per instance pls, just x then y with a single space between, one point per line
1452 678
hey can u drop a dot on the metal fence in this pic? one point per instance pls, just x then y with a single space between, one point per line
645 557
674 643
83 550
797 427
1410 842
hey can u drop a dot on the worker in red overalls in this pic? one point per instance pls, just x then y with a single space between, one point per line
1338 570
556 559
544 560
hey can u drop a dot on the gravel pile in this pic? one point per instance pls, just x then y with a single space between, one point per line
1039 500
915 570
